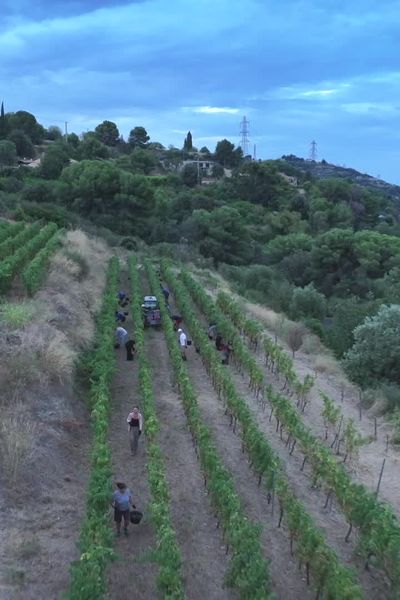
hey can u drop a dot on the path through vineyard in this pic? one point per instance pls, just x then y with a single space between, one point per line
202 547
127 576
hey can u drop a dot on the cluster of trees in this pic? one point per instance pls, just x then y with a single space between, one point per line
326 252
18 133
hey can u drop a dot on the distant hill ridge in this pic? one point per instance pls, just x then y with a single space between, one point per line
325 170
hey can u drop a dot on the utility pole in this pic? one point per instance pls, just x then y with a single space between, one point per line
66 129
313 151
254 153
244 136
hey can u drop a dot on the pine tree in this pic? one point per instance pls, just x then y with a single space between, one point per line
3 123
188 143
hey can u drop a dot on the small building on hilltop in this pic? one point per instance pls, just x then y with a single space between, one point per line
204 166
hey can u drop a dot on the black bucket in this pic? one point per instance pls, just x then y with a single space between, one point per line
135 516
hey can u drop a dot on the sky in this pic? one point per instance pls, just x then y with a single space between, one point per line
299 70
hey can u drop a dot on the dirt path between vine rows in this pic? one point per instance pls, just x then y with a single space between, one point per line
130 576
204 562
203 551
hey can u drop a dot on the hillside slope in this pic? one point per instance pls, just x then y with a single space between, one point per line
325 170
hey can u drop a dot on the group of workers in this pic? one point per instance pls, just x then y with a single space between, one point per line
121 334
122 498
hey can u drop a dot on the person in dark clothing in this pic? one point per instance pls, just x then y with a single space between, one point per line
218 342
165 292
177 319
130 349
212 331
123 299
226 352
120 317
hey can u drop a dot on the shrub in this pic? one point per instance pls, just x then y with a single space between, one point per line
294 336
347 314
45 212
375 356
314 325
17 315
307 302
129 243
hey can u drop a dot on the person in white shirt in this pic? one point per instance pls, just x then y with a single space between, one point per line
121 335
135 422
183 343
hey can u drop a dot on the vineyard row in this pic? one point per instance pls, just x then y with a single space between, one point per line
378 527
332 580
95 541
20 250
168 555
248 571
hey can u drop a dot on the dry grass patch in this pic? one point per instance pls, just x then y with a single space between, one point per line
312 345
64 264
328 365
17 441
58 359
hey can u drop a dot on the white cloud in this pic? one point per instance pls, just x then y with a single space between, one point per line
318 93
211 110
323 90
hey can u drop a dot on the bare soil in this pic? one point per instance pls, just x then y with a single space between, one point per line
41 511
366 468
40 517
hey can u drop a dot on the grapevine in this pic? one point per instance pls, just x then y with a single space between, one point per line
34 273
25 249
329 574
248 570
378 526
95 542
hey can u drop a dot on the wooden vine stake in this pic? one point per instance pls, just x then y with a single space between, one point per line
380 478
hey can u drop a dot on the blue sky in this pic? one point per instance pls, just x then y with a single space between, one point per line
299 70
